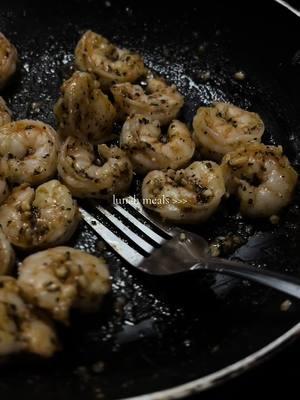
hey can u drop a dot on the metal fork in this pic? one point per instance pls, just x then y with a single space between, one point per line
163 250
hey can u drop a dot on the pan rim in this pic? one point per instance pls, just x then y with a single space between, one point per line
223 374
289 7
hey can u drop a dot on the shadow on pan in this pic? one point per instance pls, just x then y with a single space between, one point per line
152 336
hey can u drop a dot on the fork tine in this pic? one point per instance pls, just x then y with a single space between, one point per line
124 229
138 224
137 206
123 249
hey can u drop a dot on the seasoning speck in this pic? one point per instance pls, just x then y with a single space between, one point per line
285 305
214 250
182 237
274 219
205 76
239 75
98 367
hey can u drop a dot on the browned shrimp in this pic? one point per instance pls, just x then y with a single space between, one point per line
28 151
5 113
8 60
223 127
142 138
62 278
188 195
22 329
33 218
94 53
158 100
261 177
85 176
83 110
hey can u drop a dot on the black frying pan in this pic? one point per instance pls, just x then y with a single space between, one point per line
176 337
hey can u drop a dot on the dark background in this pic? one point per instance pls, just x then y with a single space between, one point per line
275 378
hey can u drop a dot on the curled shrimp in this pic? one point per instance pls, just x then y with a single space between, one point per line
28 151
223 127
84 173
22 329
7 255
62 278
261 177
33 218
83 110
142 138
5 113
158 100
188 195
8 60
94 53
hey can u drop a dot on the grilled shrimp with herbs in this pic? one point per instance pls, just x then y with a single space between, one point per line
62 278
223 127
45 216
28 151
8 60
94 53
83 110
188 195
5 113
22 329
7 255
88 174
261 177
157 100
148 150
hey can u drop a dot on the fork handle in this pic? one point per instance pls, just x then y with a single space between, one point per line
275 280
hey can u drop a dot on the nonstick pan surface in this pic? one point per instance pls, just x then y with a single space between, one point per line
167 339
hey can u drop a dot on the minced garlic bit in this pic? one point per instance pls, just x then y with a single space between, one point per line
274 219
285 305
182 237
239 75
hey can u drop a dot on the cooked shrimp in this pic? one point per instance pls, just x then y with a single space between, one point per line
8 60
83 110
188 195
223 127
111 64
32 218
28 151
142 138
4 191
21 328
62 278
159 101
84 174
7 255
261 177
5 113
